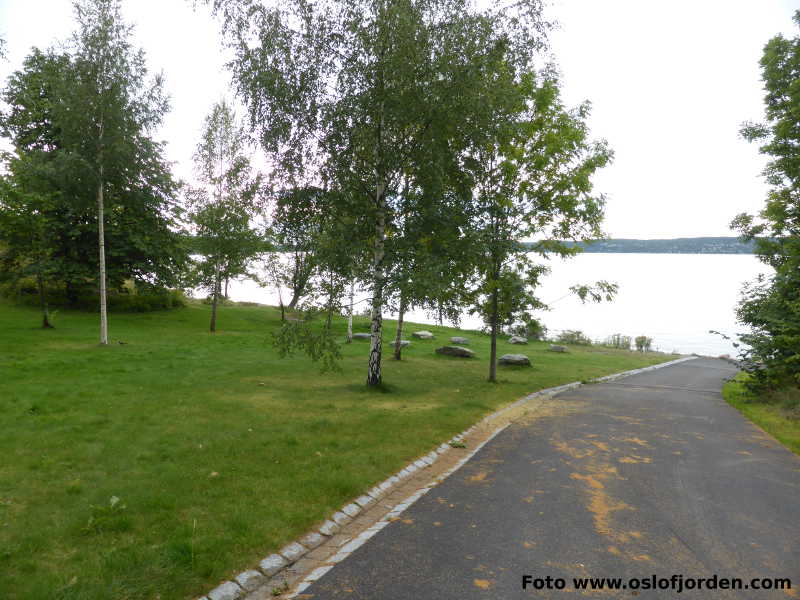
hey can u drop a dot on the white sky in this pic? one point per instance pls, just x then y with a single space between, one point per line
670 84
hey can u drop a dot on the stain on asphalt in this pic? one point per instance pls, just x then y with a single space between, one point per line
657 476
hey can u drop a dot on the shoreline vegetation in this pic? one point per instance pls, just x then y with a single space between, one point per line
695 245
778 413
170 459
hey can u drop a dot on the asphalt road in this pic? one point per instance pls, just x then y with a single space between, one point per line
652 475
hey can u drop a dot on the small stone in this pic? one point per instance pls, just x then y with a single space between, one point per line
514 359
340 518
292 552
423 335
250 580
226 591
312 540
351 510
557 348
362 336
455 351
272 564
515 339
403 343
375 492
329 528
364 501
459 340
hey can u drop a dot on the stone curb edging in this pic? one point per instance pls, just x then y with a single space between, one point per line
251 579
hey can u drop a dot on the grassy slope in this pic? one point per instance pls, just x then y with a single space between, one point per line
219 451
771 417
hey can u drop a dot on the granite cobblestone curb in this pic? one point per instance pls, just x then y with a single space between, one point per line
251 579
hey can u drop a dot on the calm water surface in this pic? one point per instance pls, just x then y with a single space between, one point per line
673 298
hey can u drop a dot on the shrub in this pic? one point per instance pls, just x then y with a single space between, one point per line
575 337
131 298
618 341
532 329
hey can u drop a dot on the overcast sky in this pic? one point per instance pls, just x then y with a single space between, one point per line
670 84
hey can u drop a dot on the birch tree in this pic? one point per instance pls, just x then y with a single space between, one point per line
106 113
354 93
223 208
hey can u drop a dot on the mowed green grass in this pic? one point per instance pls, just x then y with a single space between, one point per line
218 450
770 416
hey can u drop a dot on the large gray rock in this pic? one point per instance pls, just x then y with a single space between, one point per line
455 351
362 336
403 343
515 359
515 339
556 348
459 340
423 335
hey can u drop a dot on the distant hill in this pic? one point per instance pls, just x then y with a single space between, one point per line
698 245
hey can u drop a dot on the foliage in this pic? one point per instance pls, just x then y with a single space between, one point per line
142 298
322 347
223 208
618 341
777 412
53 104
770 306
372 97
643 343
532 179
574 337
532 329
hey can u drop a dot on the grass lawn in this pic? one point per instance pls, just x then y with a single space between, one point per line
770 416
217 451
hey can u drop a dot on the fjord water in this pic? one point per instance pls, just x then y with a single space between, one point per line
673 298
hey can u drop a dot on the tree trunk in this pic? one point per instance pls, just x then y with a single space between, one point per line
214 299
71 293
493 348
350 313
43 301
227 279
301 273
398 349
331 291
374 366
102 248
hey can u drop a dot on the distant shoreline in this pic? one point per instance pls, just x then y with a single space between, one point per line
698 245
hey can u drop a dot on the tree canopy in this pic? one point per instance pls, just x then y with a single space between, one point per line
81 119
770 306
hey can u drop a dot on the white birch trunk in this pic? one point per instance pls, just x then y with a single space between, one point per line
102 248
350 313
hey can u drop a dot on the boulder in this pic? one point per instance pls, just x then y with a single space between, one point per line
362 336
459 340
556 348
423 335
515 339
515 359
455 351
403 343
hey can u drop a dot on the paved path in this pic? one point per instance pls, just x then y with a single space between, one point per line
652 474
